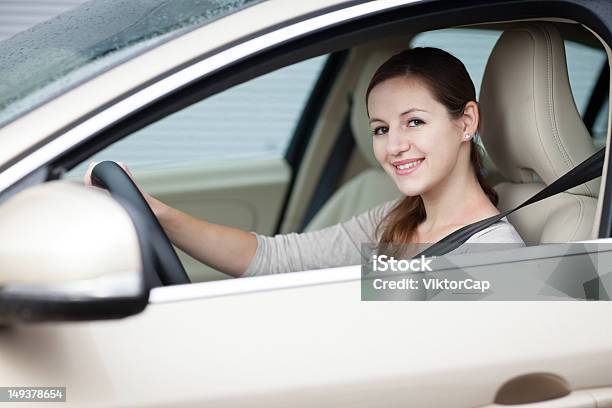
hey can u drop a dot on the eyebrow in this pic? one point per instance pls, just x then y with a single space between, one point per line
401 114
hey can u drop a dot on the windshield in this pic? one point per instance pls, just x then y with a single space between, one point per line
50 58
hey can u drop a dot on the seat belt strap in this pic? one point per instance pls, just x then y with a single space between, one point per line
586 171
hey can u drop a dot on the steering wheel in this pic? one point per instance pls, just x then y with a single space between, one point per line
112 177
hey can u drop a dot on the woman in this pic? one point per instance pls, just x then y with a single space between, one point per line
423 115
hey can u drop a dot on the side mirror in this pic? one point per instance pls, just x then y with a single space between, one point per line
70 252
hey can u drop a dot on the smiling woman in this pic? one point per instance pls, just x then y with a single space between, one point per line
423 115
423 112
444 189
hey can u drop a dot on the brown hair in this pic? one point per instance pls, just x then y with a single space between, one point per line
449 82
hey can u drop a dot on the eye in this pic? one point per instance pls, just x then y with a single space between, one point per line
415 122
380 130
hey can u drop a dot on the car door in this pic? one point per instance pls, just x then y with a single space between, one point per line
307 338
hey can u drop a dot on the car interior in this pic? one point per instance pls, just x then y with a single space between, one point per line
531 129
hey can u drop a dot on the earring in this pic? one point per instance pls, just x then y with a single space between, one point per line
467 136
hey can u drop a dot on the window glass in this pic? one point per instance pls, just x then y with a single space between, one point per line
600 127
49 58
253 120
583 67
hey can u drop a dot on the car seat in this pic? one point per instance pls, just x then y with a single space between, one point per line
534 134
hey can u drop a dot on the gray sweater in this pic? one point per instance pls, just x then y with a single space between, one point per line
339 245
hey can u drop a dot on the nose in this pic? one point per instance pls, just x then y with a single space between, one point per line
397 142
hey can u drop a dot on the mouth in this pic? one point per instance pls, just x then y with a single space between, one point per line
403 167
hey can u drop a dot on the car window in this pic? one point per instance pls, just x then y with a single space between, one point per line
583 66
473 47
600 126
254 120
49 58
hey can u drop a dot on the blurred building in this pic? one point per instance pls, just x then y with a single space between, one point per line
18 15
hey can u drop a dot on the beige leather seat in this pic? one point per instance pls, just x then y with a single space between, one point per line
534 134
372 186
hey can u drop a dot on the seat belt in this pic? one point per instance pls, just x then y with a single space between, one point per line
586 171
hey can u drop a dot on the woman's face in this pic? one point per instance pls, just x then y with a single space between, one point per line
415 139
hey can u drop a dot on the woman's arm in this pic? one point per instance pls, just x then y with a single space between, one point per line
241 253
226 249
337 245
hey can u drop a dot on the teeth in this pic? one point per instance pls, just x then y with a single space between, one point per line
409 165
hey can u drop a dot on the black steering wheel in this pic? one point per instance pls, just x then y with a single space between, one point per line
111 176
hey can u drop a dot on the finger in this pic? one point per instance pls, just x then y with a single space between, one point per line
125 168
87 179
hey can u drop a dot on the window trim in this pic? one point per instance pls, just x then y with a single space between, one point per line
345 274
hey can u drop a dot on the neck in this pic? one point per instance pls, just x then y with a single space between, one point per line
457 200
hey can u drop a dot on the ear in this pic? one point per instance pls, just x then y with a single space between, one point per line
470 118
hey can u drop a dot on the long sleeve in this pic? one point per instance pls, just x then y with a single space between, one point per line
338 245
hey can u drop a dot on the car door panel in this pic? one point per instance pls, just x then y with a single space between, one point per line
312 344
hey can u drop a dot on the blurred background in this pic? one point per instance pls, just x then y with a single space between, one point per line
18 15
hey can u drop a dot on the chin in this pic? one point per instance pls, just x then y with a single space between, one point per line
410 186
410 189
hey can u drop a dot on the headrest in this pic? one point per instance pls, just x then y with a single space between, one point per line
370 56
529 121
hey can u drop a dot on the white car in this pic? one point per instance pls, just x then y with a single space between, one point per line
251 114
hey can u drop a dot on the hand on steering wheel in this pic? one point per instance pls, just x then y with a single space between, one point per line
116 180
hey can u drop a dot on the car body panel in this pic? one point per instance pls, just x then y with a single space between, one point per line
279 346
